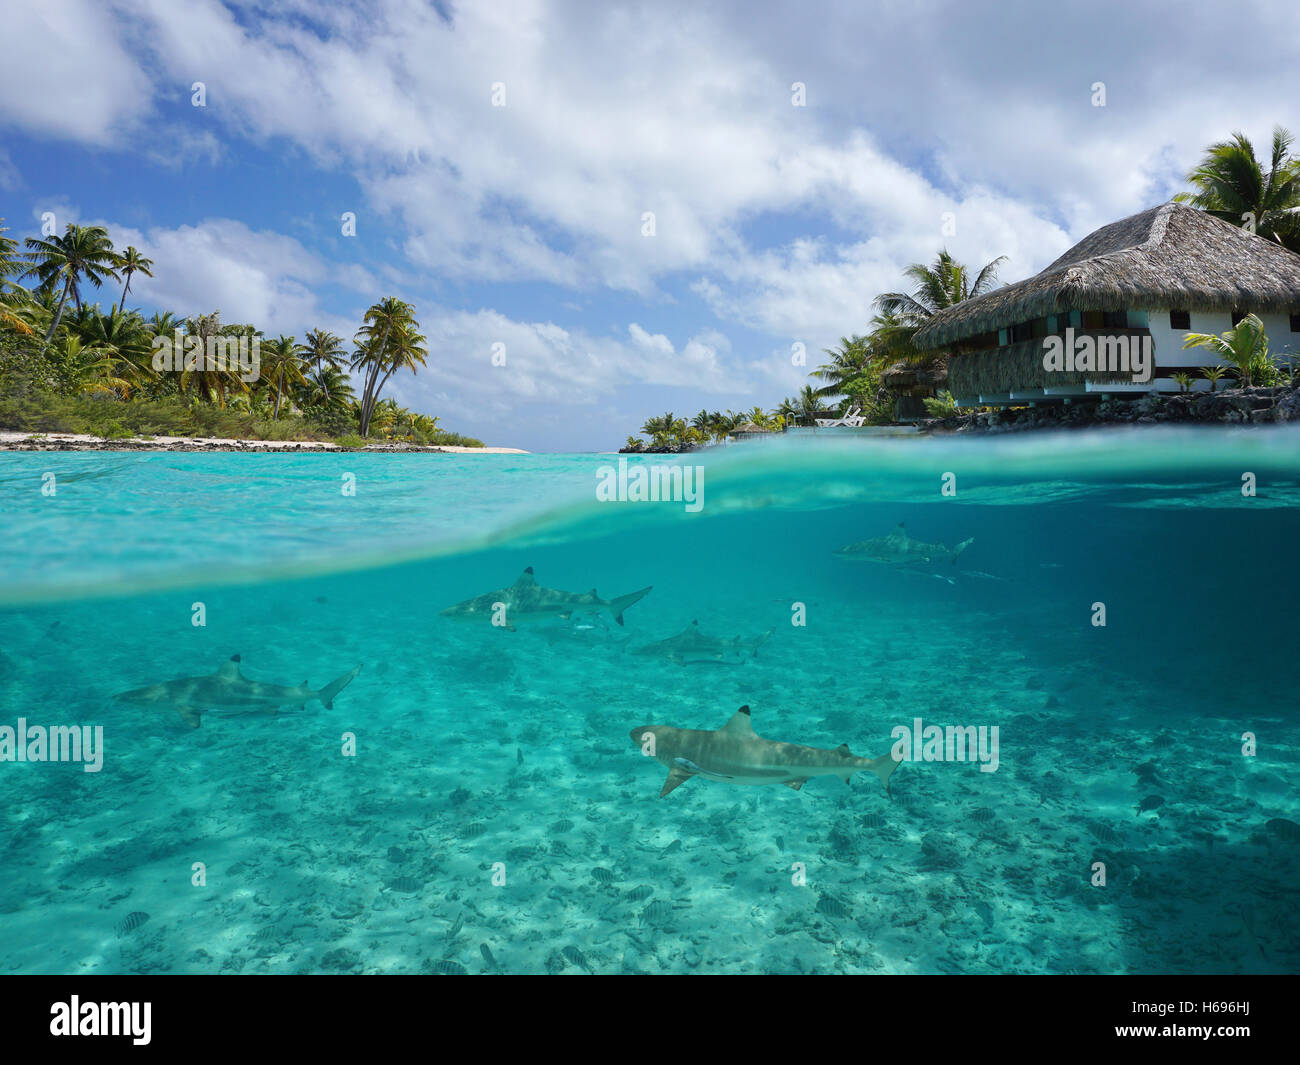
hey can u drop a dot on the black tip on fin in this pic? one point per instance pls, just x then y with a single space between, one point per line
744 710
529 570
619 619
234 658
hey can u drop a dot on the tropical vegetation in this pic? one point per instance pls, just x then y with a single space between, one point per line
68 364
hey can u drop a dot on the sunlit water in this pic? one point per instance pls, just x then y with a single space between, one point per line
496 816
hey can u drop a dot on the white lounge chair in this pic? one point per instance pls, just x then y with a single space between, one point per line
850 419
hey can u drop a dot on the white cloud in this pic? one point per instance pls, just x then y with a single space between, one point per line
68 73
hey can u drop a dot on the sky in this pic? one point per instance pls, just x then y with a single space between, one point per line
602 211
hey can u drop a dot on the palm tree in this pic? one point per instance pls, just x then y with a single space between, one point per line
848 362
944 283
213 382
1245 346
125 338
162 322
281 368
83 252
328 389
322 349
1231 184
11 265
132 262
389 341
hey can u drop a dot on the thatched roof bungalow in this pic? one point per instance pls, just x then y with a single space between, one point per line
1135 287
911 382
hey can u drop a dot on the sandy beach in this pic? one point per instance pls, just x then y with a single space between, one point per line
14 441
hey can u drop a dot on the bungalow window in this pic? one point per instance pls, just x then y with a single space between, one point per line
1180 319
1038 328
1023 331
1237 315
1295 322
1115 319
1094 320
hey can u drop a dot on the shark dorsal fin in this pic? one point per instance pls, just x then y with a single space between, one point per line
230 670
899 530
740 724
526 577
843 749
695 624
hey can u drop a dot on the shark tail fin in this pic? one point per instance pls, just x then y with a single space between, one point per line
327 693
960 548
617 606
884 767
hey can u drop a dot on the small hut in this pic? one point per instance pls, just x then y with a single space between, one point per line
1131 291
750 431
911 383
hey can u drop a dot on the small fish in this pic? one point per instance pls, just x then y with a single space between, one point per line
1103 833
457 925
561 826
982 816
832 907
657 913
1151 802
396 855
519 756
602 875
576 957
131 922
447 967
473 830
407 885
640 892
487 955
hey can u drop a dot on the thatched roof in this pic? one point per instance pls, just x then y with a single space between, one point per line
1169 256
750 427
932 373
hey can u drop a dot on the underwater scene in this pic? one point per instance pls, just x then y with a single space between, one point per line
1006 705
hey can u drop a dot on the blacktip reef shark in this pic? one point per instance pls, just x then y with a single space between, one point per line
691 647
899 548
737 755
526 600
229 690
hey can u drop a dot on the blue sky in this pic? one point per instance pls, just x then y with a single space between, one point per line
522 225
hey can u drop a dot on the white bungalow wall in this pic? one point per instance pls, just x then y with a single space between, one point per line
1168 343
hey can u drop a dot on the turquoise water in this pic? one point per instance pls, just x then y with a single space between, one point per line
494 798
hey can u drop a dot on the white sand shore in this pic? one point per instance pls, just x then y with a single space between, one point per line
16 441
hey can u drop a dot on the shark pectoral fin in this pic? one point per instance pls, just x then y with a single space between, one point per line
676 777
795 785
190 715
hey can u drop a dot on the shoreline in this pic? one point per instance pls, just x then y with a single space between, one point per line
11 440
